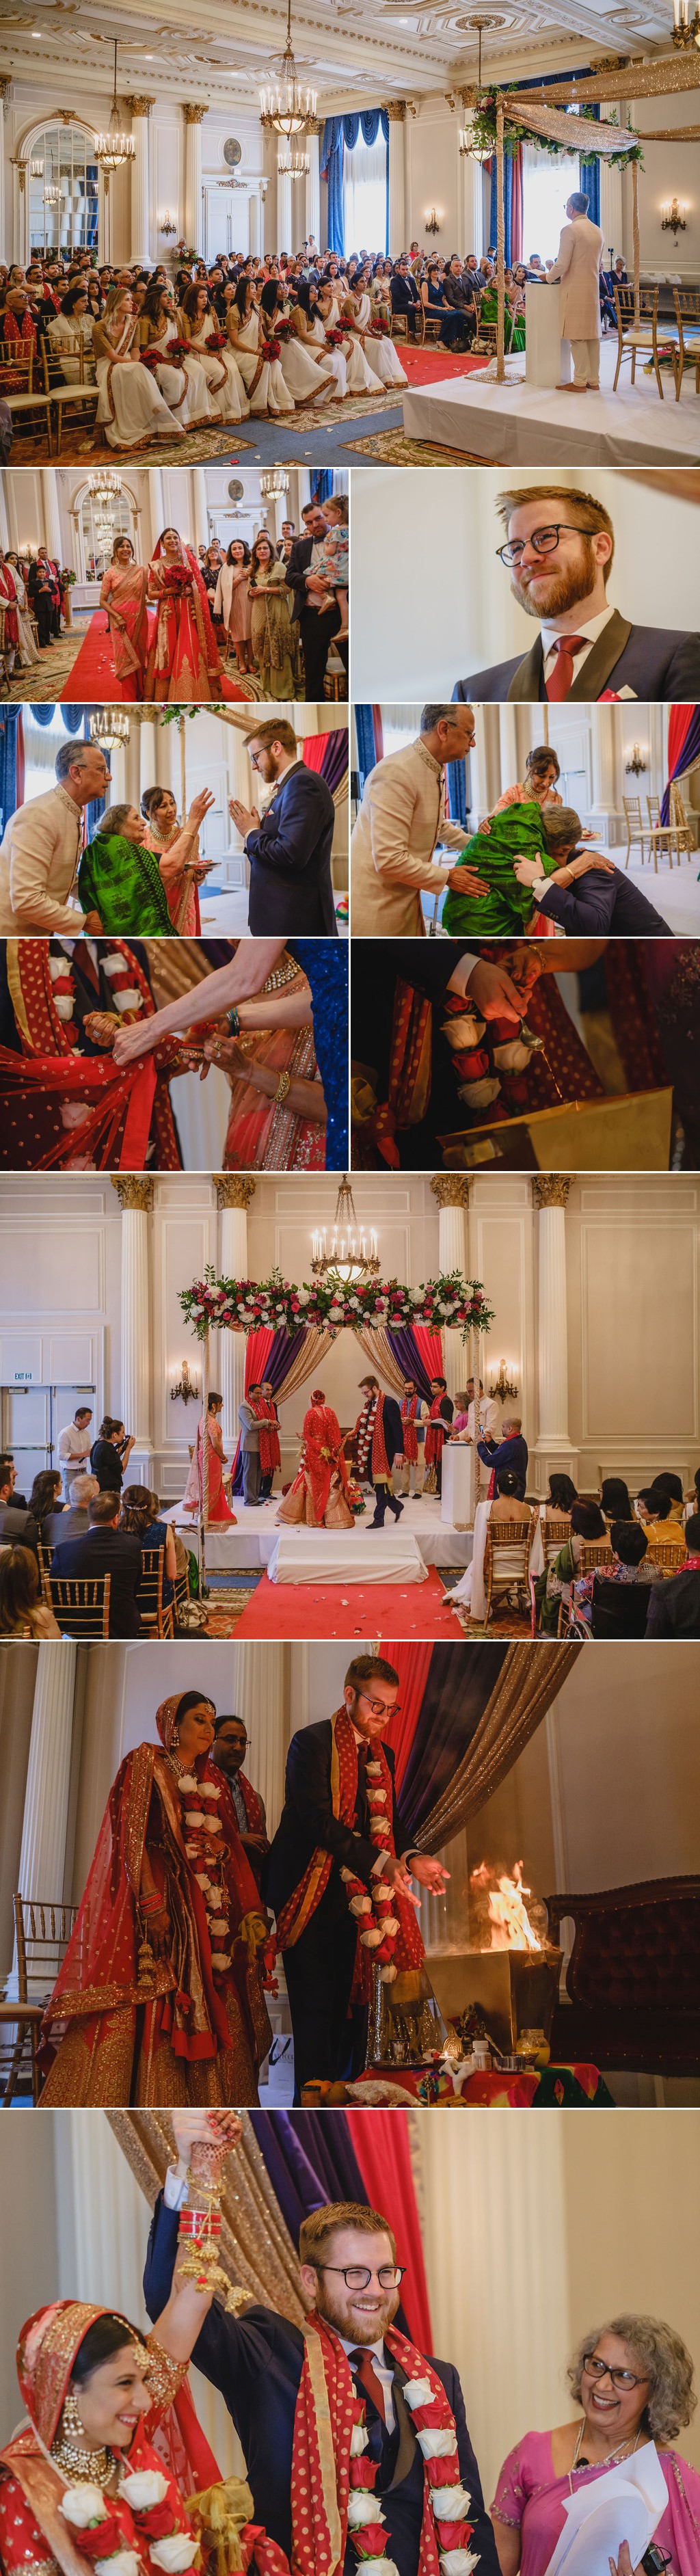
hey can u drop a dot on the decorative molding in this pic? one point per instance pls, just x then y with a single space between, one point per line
451 1189
551 1189
233 1189
395 109
193 115
133 1191
140 106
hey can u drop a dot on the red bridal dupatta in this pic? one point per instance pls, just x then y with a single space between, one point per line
122 2026
319 1493
183 661
123 1106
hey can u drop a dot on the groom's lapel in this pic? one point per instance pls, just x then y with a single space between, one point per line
527 680
603 658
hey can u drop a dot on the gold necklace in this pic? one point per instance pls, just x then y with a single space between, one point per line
71 2452
623 2448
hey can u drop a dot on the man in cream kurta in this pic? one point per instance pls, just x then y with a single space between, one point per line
401 819
577 272
42 845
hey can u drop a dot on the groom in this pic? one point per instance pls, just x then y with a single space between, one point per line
289 850
259 2361
379 1436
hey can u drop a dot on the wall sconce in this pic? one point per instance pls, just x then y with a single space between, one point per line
185 1385
673 218
635 766
167 225
503 1386
431 222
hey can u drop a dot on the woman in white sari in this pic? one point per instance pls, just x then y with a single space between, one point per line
360 376
384 358
182 380
310 343
131 407
199 325
27 650
263 378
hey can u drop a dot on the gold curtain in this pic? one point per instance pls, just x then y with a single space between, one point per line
317 1343
255 2249
530 1679
375 1342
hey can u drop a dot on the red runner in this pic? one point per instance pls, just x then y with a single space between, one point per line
347 1610
93 680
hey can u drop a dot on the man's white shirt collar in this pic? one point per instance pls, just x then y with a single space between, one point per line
551 632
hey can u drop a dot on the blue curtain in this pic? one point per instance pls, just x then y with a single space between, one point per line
43 715
73 718
342 131
9 720
323 487
507 204
457 791
589 179
689 752
366 745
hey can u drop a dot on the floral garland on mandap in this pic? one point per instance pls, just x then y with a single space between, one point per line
245 1305
484 133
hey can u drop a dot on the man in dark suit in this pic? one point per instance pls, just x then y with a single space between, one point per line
674 1607
379 1436
17 1527
73 1520
405 296
441 1411
559 546
107 1550
256 2360
319 1966
316 631
18 1500
587 895
458 291
290 849
510 1451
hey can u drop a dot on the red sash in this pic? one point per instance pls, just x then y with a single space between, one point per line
252 1803
435 1434
269 1435
380 1462
409 1408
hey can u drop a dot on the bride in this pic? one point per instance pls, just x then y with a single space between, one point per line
183 661
131 407
319 1494
160 1999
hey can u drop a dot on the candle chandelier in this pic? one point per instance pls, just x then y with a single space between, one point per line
275 484
685 30
104 487
113 149
110 728
296 165
352 1255
287 109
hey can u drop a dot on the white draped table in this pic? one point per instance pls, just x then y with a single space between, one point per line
346 1556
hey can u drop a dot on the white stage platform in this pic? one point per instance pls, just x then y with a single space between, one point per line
253 1539
322 1556
520 424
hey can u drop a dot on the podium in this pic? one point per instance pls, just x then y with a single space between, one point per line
547 357
459 1484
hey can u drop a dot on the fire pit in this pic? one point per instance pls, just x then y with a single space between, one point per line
504 1970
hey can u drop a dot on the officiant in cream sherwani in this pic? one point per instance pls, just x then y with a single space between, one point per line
42 845
400 822
576 272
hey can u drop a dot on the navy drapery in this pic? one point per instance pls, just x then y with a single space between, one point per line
9 721
456 772
402 1342
342 132
323 488
285 1349
507 204
366 745
589 176
452 1707
43 715
689 751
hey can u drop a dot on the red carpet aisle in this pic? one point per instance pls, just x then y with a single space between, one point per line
362 1610
93 682
432 364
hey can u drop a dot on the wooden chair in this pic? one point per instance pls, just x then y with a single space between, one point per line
507 1560
400 331
80 1603
635 336
635 827
24 383
42 1932
432 325
46 1557
64 394
674 836
156 1615
182 1595
660 1552
686 301
555 1532
592 1552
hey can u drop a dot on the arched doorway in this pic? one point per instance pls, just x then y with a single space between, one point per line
63 190
99 516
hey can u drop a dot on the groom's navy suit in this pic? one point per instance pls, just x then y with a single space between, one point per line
256 2361
319 1968
290 860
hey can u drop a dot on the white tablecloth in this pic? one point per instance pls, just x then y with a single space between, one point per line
346 1556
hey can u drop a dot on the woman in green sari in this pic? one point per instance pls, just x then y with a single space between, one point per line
121 880
514 310
516 834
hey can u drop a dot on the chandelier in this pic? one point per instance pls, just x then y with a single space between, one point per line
296 166
466 132
287 109
113 149
104 487
36 169
274 485
349 1258
686 31
109 726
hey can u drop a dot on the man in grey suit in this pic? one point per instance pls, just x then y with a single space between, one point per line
559 547
250 1449
74 1523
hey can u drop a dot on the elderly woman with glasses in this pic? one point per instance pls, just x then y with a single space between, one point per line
633 2385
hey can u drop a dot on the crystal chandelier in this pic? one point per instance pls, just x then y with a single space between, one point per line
109 726
104 487
352 1256
113 149
274 484
296 166
685 31
287 109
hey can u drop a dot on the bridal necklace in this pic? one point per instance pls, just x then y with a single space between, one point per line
621 2453
70 2449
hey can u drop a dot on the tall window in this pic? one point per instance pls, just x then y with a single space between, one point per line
41 744
62 191
100 523
546 185
366 197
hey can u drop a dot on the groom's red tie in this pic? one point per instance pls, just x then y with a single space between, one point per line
561 675
363 2366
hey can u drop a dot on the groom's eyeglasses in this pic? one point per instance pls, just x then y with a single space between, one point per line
544 540
356 2277
379 1706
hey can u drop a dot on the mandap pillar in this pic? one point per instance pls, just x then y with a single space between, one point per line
135 1195
451 1189
550 1192
234 1192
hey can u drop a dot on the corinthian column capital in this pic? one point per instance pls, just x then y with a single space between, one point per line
551 1189
133 1189
451 1189
233 1189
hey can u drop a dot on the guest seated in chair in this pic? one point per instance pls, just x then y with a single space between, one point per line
22 1611
405 296
614 1500
436 305
586 1522
633 2382
107 1550
139 1516
659 1520
631 1564
72 1521
674 1606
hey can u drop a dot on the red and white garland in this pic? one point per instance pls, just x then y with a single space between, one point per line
448 2500
126 995
375 1909
202 1827
169 2542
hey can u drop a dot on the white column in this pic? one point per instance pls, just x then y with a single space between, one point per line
199 520
452 1193
549 1195
233 1197
4 87
51 514
254 227
284 207
603 764
193 175
258 1696
136 1201
312 210
140 247
396 111
4 529
42 1859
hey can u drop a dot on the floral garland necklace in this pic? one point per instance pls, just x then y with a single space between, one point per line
202 1826
448 2501
375 1910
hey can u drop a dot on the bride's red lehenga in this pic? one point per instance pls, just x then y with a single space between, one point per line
34 2533
123 2027
319 1494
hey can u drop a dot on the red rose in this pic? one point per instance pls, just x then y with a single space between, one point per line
158 2520
443 2473
454 2535
101 2538
364 2472
370 2542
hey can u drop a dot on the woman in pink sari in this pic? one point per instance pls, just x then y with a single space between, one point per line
183 662
204 1490
634 2383
123 594
319 1494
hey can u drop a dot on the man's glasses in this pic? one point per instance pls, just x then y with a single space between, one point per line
356 2277
544 541
379 1706
620 2378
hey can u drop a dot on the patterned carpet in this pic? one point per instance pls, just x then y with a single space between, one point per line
47 678
392 447
201 447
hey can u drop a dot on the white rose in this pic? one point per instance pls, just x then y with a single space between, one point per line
359 2441
436 2446
220 1959
387 1974
450 2504
193 1817
174 2553
130 1000
218 1923
360 1905
379 2567
476 1095
371 1940
381 1829
141 2488
390 1923
418 2392
113 965
187 1781
63 1005
513 1057
458 2562
209 1789
363 2507
202 1880
303 1296
416 1296
214 1825
378 1797
374 1770
124 2562
82 2505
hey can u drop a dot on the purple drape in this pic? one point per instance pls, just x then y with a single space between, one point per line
285 1350
310 2160
689 750
452 1707
335 758
402 1342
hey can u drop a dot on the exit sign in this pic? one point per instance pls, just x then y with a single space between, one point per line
24 1377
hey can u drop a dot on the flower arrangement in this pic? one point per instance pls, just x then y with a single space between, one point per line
102 2538
484 132
271 349
246 1305
176 578
334 339
448 2501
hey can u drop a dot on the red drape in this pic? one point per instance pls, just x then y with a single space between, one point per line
516 210
313 748
257 1353
412 1663
378 732
430 1347
382 2147
679 724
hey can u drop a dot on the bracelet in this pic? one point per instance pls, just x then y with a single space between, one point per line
199 2222
234 1022
284 1085
154 1904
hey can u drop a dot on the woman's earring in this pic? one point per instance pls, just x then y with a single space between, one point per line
72 2423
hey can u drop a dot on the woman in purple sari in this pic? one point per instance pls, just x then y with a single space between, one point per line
634 2383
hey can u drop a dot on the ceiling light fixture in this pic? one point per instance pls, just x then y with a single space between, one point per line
287 109
113 149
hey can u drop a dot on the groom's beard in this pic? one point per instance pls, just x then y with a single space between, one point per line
557 591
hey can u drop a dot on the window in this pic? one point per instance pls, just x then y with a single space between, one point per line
546 185
41 744
366 197
62 191
100 523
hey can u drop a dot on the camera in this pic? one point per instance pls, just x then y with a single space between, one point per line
653 2561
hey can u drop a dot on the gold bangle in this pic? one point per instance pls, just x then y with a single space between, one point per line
284 1085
